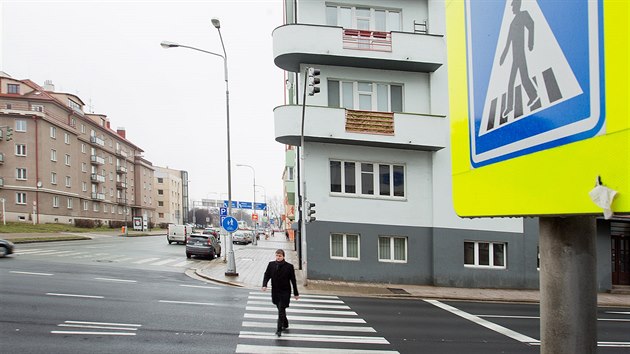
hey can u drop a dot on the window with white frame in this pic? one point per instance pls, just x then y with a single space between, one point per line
367 179
86 206
68 181
70 202
53 178
67 160
364 18
485 254
53 132
66 138
55 201
20 125
392 249
13 88
84 186
83 167
344 246
20 198
83 148
82 129
20 149
365 95
20 173
95 206
37 108
53 155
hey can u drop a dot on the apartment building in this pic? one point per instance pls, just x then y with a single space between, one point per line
170 191
64 164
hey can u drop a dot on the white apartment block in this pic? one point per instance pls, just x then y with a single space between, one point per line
170 191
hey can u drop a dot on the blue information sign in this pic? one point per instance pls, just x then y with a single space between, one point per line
229 224
223 211
245 205
234 204
261 206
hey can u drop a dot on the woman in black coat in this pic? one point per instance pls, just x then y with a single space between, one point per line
282 275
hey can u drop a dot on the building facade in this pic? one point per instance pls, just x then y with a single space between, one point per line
170 195
63 164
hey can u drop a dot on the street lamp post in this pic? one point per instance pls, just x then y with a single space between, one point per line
264 198
231 262
253 204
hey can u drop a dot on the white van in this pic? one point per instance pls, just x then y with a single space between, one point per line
178 233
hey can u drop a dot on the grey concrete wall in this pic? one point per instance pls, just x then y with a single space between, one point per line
604 261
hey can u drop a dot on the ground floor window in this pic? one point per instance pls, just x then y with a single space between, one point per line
392 249
344 246
485 254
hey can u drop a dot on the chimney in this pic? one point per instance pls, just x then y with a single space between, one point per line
48 86
121 131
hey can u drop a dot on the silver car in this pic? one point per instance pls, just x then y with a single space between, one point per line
6 248
242 237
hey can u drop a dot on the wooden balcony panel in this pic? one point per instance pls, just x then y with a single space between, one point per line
370 122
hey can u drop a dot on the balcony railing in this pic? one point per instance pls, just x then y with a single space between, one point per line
367 40
121 185
97 160
121 201
96 140
121 169
370 122
98 196
97 178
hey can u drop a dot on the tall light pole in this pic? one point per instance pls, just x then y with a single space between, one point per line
264 197
253 204
231 262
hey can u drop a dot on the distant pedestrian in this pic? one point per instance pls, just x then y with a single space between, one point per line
282 275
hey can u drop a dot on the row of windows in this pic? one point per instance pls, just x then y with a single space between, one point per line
363 18
20 198
367 179
365 96
394 249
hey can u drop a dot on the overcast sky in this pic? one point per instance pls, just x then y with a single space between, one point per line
170 101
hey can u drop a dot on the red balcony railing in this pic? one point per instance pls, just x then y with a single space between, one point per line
367 40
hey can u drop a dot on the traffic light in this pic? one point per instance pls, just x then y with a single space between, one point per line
9 134
313 80
310 210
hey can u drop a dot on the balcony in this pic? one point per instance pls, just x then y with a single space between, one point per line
98 196
97 178
97 141
121 169
97 160
121 152
294 44
377 129
121 201
121 185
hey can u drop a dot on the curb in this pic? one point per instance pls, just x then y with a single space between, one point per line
199 274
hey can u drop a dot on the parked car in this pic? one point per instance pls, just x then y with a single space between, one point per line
242 236
6 248
178 233
203 245
210 231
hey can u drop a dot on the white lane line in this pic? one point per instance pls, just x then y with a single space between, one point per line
306 318
200 286
188 303
97 327
117 280
95 333
76 295
30 273
73 254
314 338
321 301
619 312
165 261
300 304
49 252
124 259
182 264
480 321
312 327
303 310
333 297
537 318
146 260
105 323
26 251
263 349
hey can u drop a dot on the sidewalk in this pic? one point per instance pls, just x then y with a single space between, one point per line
251 262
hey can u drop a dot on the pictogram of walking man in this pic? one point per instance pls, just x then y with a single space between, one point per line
516 40
282 275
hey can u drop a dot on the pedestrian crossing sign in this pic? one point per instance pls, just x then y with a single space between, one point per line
537 92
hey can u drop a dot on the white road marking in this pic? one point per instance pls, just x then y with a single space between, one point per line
146 260
75 295
97 327
301 296
306 300
537 318
117 280
314 338
200 286
95 333
306 318
302 310
165 261
105 323
480 321
262 349
300 304
619 312
188 303
182 264
29 273
312 327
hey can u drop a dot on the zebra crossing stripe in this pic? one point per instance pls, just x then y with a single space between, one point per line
262 349
314 338
300 304
166 261
306 318
312 327
304 300
146 260
302 310
301 296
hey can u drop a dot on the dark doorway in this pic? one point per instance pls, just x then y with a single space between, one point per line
620 257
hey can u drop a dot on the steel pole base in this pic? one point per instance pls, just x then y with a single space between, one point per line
231 266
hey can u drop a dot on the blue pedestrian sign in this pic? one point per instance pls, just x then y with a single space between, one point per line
229 224
535 76
223 211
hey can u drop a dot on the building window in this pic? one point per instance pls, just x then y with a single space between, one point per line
365 96
13 88
67 160
364 178
392 249
20 198
160 192
344 246
68 181
70 202
161 215
8 106
160 180
363 18
160 203
53 155
53 132
20 125
485 254
86 206
84 186
66 138
74 105
53 178
82 129
20 173
20 149
95 206
55 201
83 167
83 148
